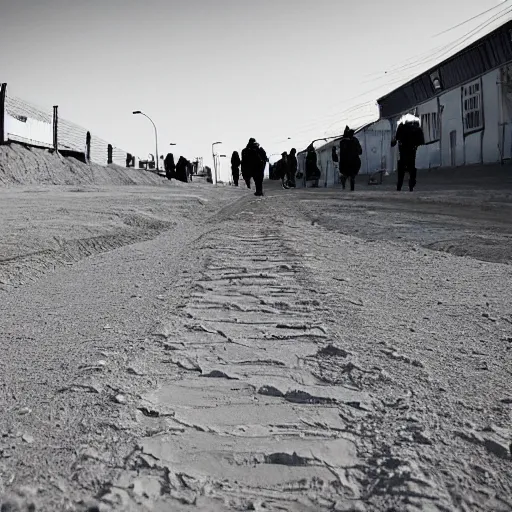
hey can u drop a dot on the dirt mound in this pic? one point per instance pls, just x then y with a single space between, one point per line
22 165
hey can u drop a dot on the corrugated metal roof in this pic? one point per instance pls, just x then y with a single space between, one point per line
483 55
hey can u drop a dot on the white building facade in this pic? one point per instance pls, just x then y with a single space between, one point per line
464 105
375 139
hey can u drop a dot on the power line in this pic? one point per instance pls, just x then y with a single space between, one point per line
439 54
470 19
446 49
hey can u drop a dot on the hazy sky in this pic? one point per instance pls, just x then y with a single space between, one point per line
226 70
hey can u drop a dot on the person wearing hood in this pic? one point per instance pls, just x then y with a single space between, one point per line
190 170
249 156
282 170
181 170
350 158
409 137
258 178
312 170
235 167
169 166
254 161
292 167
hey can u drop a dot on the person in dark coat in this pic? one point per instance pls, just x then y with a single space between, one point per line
350 158
292 167
190 170
208 172
169 166
409 137
181 170
235 167
312 170
281 170
249 156
254 160
258 178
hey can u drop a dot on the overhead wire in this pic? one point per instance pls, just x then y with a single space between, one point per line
420 58
442 51
465 22
445 50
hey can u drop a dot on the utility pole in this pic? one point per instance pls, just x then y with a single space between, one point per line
56 128
3 92
214 161
88 147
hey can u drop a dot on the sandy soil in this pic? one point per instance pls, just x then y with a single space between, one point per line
21 165
311 350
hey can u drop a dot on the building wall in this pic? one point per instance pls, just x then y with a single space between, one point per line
328 168
452 146
377 155
451 121
375 141
429 155
31 131
492 107
505 107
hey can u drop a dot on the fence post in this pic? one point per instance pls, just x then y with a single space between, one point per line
55 128
88 147
110 149
3 89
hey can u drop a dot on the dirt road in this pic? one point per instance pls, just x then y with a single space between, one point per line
311 350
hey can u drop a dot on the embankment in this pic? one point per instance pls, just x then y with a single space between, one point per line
23 165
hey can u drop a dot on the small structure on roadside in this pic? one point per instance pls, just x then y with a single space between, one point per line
375 139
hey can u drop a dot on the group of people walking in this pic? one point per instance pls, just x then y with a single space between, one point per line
286 169
253 163
182 171
409 136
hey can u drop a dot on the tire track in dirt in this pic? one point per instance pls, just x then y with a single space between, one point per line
17 270
240 422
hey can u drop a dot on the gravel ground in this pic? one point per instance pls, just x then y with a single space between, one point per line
310 350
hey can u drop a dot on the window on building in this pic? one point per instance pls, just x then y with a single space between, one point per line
430 126
472 113
436 81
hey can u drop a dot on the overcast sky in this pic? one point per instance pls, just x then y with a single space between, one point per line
227 70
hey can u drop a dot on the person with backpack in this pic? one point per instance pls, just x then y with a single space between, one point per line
349 158
235 167
409 137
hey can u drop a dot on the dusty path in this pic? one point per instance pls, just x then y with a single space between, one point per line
299 352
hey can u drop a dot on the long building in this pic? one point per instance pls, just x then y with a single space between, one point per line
375 139
464 105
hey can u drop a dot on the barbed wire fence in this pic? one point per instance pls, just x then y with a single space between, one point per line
23 122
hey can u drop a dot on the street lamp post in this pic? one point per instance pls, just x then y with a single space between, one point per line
156 136
214 161
220 163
